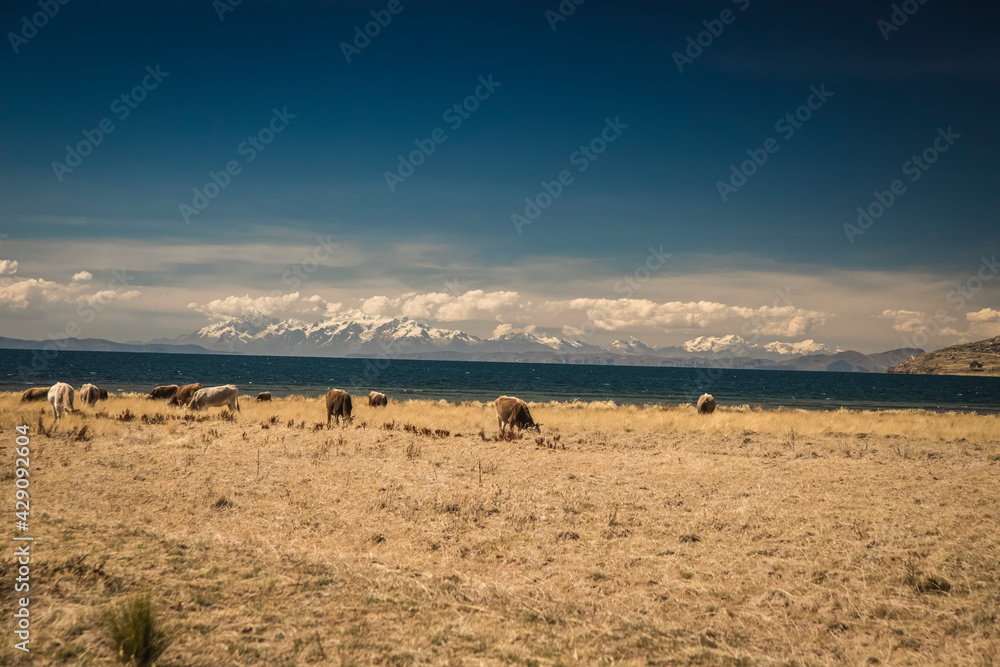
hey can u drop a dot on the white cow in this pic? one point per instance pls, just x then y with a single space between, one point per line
61 398
89 394
216 397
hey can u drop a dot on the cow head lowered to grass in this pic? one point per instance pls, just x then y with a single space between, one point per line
513 413
216 397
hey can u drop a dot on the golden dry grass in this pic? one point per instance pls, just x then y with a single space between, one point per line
622 536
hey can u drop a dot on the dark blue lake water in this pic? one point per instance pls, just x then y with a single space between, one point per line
454 380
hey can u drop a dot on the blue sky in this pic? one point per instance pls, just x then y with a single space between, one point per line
655 186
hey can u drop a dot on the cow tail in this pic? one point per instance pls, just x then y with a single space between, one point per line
237 402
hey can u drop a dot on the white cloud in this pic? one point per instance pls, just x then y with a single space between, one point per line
906 321
983 323
82 276
502 330
104 297
33 292
782 320
425 306
8 267
507 328
619 314
914 321
474 304
379 305
33 296
983 316
232 306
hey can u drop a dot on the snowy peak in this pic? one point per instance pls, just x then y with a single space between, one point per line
734 344
345 334
355 333
630 346
801 348
528 341
716 344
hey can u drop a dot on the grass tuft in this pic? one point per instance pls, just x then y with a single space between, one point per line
222 503
138 637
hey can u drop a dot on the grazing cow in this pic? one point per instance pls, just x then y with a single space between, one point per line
216 397
61 398
377 400
513 412
338 404
706 404
183 394
164 391
34 394
264 396
90 394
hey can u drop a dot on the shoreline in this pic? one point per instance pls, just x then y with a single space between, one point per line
726 403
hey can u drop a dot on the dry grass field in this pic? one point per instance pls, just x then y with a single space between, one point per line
621 536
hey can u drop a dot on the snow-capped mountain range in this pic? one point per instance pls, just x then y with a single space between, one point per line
357 334
739 346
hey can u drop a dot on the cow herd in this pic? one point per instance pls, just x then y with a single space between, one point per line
193 396
511 411
61 396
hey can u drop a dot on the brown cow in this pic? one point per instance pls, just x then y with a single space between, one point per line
706 404
264 396
90 394
34 394
513 412
164 391
377 400
183 394
338 404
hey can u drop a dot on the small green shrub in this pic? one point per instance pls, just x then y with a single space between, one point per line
139 638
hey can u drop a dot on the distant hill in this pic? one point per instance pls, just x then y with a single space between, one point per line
844 362
100 345
979 358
